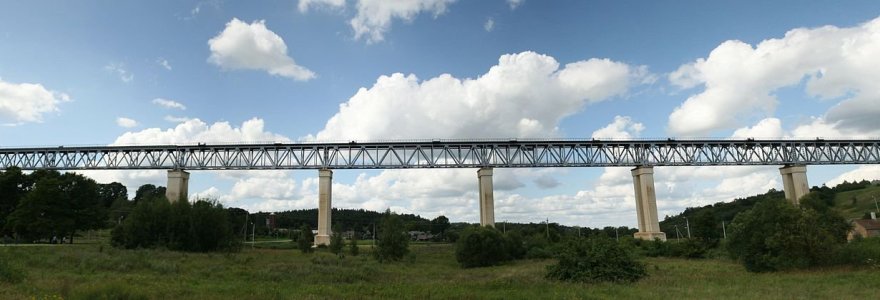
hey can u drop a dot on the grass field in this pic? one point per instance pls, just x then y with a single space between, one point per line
89 271
864 202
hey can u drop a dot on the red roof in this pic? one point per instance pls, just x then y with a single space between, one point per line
868 224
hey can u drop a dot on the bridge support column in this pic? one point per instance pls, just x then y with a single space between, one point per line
646 204
178 186
487 198
794 182
325 185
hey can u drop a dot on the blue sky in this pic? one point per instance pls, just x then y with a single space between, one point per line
97 72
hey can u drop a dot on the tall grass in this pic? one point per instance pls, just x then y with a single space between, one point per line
95 272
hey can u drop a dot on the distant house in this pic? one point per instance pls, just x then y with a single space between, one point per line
864 228
420 236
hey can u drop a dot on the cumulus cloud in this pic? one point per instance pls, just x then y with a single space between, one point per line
740 80
524 95
27 102
620 128
865 172
304 5
164 63
126 122
515 3
166 103
243 46
120 70
374 17
766 128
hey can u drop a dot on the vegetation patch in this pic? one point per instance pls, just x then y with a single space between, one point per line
594 260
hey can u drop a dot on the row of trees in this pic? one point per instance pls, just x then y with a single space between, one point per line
46 204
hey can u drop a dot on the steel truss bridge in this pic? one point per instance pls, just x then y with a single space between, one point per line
447 154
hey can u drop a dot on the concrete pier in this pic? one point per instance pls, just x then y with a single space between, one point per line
325 184
178 186
794 182
487 199
646 204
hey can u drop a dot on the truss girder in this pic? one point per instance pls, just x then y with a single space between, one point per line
448 154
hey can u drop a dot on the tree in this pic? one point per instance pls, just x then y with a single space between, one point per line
58 205
775 235
596 259
13 187
149 192
353 246
306 238
393 240
439 225
112 192
336 242
86 208
480 246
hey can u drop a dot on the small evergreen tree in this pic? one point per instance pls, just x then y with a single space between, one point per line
353 245
393 240
306 238
336 242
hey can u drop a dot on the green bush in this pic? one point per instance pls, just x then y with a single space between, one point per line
596 259
199 227
353 248
393 240
480 246
514 246
305 240
860 252
336 243
776 235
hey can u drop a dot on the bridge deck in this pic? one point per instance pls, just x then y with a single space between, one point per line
447 154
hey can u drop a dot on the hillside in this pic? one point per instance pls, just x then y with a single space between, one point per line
857 203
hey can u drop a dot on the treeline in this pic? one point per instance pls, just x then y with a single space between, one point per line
48 205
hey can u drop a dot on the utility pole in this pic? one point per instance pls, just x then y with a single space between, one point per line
688 224
875 203
677 233
616 234
244 230
547 223
253 235
723 230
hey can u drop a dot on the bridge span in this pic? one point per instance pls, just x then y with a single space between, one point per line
485 154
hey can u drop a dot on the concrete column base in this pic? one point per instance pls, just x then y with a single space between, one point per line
646 204
325 183
794 182
322 239
650 236
487 199
178 186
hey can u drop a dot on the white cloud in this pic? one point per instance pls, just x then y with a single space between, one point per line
174 119
864 172
119 70
374 17
740 80
164 63
304 5
126 122
489 25
620 128
167 103
254 47
514 3
822 128
766 128
27 102
525 95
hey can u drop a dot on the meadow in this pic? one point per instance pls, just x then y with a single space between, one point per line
93 271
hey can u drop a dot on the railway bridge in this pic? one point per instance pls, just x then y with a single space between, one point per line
793 157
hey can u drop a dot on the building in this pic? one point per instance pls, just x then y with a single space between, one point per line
864 228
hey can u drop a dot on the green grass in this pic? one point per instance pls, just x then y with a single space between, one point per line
93 271
864 202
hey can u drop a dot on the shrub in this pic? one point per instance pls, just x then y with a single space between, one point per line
199 227
336 243
514 246
393 241
304 242
860 252
353 246
775 235
596 259
480 246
